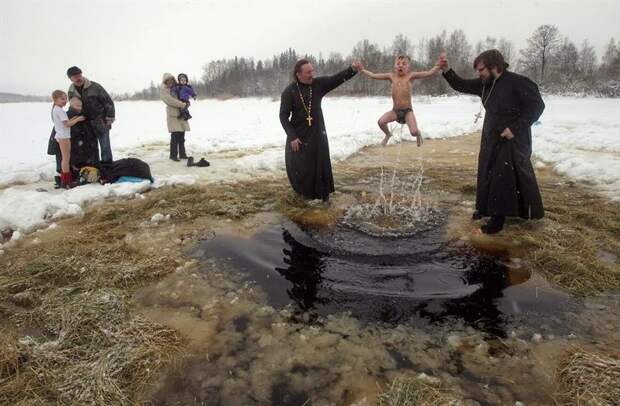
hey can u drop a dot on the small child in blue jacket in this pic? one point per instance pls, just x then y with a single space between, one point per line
183 91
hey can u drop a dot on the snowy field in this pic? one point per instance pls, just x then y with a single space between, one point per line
579 137
246 125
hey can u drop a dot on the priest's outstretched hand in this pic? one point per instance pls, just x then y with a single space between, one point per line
357 66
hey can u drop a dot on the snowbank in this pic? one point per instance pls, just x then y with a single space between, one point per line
25 210
581 139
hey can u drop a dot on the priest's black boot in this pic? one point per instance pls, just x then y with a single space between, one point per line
494 225
476 216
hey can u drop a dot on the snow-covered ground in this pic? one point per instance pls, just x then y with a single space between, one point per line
577 136
250 126
580 137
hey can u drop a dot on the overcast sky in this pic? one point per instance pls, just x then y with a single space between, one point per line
124 44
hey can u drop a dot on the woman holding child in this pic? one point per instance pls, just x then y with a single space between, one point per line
177 126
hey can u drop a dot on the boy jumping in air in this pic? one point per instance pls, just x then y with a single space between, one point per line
401 79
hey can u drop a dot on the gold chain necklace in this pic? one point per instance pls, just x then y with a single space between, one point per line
303 102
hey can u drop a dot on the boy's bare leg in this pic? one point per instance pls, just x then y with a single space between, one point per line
383 125
413 127
65 151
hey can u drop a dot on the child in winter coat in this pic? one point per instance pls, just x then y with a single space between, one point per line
183 91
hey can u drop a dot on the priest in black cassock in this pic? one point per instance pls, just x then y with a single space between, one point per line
308 164
506 183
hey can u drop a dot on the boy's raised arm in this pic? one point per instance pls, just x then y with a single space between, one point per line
378 76
434 71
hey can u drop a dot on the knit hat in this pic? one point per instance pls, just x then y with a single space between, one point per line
74 70
182 75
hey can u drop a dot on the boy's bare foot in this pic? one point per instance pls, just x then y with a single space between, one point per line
385 140
418 137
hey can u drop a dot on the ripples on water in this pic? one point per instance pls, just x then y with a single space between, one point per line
414 279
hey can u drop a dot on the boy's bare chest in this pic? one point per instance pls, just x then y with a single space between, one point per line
401 86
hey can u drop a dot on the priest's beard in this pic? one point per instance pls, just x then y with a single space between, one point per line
489 79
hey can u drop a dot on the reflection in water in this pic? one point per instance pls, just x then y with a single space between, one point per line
413 280
395 288
304 269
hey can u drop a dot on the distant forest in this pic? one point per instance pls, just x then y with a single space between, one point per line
20 98
551 59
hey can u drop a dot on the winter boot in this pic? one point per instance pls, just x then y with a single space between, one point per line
202 163
66 181
494 225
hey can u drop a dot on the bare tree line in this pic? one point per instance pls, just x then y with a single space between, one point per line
556 63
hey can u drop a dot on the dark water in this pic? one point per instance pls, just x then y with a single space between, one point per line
419 280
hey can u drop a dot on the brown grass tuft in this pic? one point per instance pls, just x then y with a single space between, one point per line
412 391
588 378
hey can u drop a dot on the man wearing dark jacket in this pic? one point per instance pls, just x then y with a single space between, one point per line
506 183
97 106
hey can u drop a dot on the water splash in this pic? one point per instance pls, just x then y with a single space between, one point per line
400 209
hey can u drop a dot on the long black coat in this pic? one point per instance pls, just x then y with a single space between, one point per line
506 183
309 170
84 147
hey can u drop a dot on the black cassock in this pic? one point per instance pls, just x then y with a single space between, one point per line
506 183
309 170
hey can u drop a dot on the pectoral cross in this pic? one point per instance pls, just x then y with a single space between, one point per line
478 116
308 108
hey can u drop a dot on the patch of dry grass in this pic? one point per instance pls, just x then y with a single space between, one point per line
231 201
588 378
568 249
70 337
68 334
411 391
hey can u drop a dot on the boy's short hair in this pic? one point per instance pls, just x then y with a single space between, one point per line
75 98
403 56
57 94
